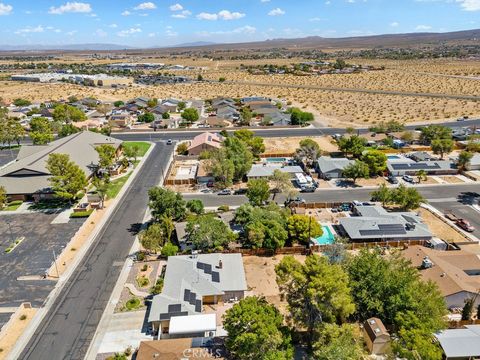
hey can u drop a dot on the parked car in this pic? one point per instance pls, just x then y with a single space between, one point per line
169 142
225 192
408 179
240 192
465 225
308 189
392 179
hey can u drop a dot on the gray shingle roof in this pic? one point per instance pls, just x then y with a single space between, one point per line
327 164
460 343
189 278
261 170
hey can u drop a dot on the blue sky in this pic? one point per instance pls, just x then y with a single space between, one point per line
162 23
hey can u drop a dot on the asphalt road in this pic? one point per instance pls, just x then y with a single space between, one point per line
69 326
188 134
438 194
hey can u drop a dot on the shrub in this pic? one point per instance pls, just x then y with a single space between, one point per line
224 208
157 288
81 214
169 249
23 317
140 256
15 203
133 304
142 281
144 267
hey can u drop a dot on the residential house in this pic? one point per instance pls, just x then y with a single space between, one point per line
374 223
190 282
457 273
421 156
171 104
376 336
475 162
120 120
460 344
409 167
374 138
204 175
220 102
264 171
228 112
331 168
140 102
247 100
205 142
27 178
176 349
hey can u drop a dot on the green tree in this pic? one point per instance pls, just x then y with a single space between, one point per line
195 206
199 77
152 102
246 115
166 202
309 151
169 249
254 143
168 226
241 156
207 232
68 129
464 159
383 194
408 137
3 197
118 103
222 168
354 145
281 181
299 117
301 228
376 161
338 342
146 117
22 102
407 198
102 184
67 177
41 131
166 116
435 132
132 151
421 176
256 331
316 292
467 311
181 106
66 114
258 191
190 115
356 170
442 146
152 238
10 129
106 155
182 148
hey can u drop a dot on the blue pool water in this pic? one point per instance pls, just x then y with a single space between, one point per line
276 160
327 237
393 157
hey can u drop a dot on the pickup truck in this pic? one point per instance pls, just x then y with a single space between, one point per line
461 223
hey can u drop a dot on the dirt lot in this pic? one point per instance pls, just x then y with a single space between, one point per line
289 145
372 182
440 228
451 179
260 274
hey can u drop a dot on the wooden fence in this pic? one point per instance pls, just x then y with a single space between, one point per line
370 245
296 250
454 324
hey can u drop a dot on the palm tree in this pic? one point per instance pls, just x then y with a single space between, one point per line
421 175
464 160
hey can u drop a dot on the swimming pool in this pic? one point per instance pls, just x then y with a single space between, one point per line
327 237
393 157
276 159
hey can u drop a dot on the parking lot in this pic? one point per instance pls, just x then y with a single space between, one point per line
32 257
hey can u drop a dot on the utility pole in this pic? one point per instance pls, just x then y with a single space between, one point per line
55 262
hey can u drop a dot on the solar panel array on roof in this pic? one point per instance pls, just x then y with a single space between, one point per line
207 269
198 306
215 276
186 295
174 308
385 231
415 166
168 316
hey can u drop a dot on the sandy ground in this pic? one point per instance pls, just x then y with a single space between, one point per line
289 145
372 182
76 243
332 108
430 180
15 330
260 274
451 179
440 228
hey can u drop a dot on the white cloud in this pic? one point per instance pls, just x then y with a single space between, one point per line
276 12
423 27
182 15
247 30
146 6
221 15
127 32
315 19
5 9
113 26
470 5
394 24
176 7
28 30
71 7
126 13
101 33
71 33
264 1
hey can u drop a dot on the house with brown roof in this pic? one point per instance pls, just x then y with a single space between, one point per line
376 336
205 142
457 273
178 349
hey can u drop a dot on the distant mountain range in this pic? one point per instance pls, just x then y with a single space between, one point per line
311 42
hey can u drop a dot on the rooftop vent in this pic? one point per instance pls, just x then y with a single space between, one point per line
426 263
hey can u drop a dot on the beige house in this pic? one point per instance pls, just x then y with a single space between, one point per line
205 142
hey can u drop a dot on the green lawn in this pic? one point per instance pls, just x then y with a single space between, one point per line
143 146
14 205
115 185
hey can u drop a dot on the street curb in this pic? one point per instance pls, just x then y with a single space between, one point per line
42 312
